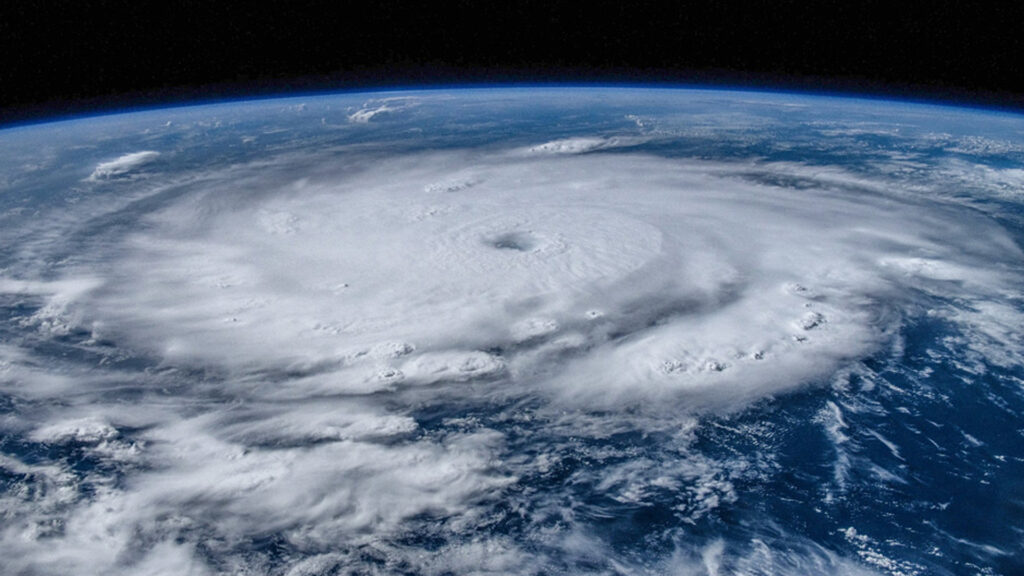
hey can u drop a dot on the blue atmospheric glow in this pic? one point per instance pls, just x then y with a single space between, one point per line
902 98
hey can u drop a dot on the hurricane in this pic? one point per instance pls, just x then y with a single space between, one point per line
514 331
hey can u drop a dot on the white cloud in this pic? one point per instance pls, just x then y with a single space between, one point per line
580 145
379 107
122 165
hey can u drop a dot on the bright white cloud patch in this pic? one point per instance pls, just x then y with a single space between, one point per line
378 107
584 144
122 165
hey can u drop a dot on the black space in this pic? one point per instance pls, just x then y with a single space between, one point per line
59 57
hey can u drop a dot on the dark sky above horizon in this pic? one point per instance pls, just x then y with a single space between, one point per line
64 56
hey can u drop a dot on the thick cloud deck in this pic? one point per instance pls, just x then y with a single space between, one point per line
653 277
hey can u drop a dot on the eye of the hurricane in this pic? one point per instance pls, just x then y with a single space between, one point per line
516 241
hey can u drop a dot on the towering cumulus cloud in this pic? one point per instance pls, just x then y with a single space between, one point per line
355 362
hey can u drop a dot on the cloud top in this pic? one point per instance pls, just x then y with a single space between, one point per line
592 280
379 107
122 165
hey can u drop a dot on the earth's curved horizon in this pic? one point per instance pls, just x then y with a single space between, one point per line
71 109
532 330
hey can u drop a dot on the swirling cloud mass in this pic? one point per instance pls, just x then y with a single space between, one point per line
368 357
